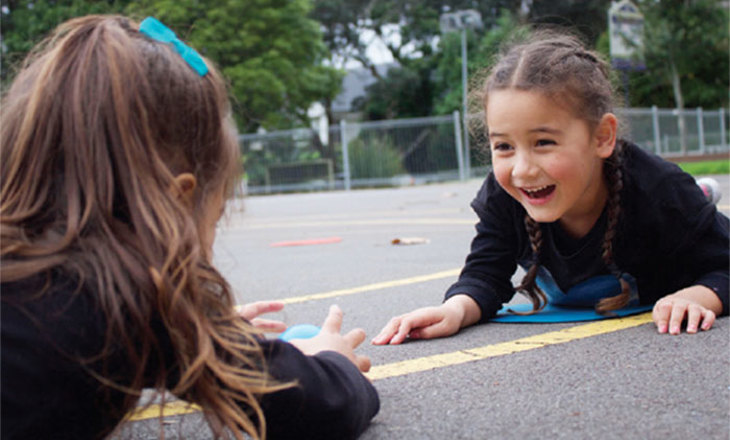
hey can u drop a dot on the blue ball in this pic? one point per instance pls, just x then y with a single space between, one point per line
299 331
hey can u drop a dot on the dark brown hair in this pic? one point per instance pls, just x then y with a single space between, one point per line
558 65
95 128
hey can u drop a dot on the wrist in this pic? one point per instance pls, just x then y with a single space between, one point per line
466 309
701 295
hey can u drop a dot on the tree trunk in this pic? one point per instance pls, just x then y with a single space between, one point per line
679 102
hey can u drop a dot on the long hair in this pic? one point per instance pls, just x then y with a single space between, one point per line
560 67
95 128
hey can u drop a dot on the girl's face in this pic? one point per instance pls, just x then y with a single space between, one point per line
547 159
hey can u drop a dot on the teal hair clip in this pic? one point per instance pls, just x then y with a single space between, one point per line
154 29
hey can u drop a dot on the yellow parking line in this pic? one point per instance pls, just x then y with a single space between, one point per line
426 363
537 341
170 409
374 286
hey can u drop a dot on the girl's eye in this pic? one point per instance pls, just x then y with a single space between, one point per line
501 146
544 142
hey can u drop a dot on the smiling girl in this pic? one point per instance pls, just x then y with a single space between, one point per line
570 202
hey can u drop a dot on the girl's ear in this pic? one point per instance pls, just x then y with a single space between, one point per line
186 183
605 135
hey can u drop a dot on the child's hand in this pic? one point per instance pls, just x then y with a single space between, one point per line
694 303
329 338
250 312
424 323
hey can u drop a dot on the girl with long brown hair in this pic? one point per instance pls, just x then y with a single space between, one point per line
118 152
571 203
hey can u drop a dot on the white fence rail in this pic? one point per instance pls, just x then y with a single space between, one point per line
421 150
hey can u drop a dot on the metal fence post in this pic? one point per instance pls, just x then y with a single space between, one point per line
655 126
723 139
457 141
345 156
701 130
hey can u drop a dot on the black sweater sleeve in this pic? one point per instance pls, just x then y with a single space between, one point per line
330 398
495 250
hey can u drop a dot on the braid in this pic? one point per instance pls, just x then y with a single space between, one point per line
529 285
614 179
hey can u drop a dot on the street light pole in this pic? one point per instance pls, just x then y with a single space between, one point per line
465 113
462 21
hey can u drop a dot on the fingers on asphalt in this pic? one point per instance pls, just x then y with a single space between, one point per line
386 334
694 314
660 315
675 322
708 320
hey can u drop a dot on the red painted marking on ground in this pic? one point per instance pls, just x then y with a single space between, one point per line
312 241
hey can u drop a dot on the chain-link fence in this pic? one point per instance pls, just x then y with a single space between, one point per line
423 150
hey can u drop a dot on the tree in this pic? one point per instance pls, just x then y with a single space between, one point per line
24 23
415 22
481 54
587 17
430 59
270 51
685 48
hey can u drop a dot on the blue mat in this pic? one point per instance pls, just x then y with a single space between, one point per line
553 313
577 304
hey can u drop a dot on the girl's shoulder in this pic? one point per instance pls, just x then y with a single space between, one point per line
657 192
658 183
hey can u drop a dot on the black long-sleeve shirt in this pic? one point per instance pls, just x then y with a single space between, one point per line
47 393
669 237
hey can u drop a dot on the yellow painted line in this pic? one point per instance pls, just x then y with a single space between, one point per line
537 341
170 409
723 207
433 362
374 286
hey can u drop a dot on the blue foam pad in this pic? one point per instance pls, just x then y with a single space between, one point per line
299 331
553 313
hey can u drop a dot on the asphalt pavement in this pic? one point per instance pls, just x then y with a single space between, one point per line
616 379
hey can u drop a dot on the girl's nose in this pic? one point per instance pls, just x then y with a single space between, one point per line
524 166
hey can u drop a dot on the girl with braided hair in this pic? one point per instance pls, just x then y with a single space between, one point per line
576 206
117 154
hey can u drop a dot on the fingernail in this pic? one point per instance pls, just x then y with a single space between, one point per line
675 330
662 328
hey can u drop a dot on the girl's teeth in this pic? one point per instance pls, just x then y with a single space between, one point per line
539 192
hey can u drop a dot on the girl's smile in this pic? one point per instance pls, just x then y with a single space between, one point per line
548 159
538 196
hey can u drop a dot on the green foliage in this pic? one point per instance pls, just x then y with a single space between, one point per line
480 56
689 40
587 17
270 51
405 92
374 157
26 22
